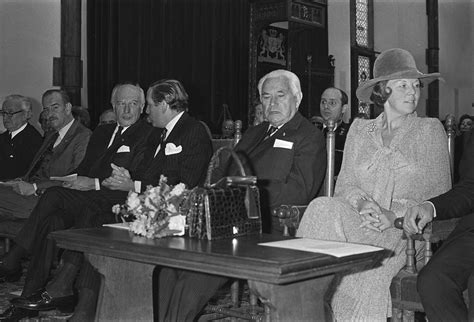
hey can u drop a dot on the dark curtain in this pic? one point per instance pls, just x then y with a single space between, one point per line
202 43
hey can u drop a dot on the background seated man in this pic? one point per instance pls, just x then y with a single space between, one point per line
60 154
21 141
107 117
288 156
82 115
333 106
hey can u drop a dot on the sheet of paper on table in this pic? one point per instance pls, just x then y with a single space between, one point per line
71 177
333 248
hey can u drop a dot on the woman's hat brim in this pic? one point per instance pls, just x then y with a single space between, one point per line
364 91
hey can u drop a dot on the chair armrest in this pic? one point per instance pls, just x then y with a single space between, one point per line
289 216
434 231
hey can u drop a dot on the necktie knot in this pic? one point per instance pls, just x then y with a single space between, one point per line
272 129
163 135
117 136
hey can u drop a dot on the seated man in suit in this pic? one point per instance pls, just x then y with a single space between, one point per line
61 208
288 156
21 141
442 281
333 106
61 152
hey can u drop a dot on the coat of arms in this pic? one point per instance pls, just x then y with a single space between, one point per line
272 46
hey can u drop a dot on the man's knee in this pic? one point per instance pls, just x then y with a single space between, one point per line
429 281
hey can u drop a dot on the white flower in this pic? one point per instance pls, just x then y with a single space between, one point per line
116 209
171 209
178 189
133 201
177 223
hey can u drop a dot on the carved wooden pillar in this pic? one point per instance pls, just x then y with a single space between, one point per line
432 58
67 69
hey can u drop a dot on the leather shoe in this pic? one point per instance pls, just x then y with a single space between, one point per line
13 314
9 275
41 301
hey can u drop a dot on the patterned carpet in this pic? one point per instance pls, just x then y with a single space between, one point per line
11 290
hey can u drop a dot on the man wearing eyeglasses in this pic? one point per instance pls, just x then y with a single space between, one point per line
61 152
333 106
21 141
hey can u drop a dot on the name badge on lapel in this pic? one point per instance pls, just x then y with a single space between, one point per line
172 149
283 144
123 148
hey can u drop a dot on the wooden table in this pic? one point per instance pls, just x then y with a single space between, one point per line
292 282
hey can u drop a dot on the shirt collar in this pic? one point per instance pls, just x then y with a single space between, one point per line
14 133
171 124
62 132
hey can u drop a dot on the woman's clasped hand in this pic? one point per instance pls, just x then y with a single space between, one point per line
375 217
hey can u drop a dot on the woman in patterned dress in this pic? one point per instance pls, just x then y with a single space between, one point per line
390 163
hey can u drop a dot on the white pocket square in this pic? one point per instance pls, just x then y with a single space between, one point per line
283 144
123 148
172 149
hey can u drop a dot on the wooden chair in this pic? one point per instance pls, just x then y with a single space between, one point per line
219 143
290 215
405 298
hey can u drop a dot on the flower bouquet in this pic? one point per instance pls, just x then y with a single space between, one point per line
158 212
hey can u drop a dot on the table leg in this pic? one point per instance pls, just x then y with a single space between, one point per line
126 291
300 301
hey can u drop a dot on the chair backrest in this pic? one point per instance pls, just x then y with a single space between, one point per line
230 142
451 133
331 158
208 130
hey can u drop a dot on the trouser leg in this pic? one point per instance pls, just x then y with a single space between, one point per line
183 294
442 281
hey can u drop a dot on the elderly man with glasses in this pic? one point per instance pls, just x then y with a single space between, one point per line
21 141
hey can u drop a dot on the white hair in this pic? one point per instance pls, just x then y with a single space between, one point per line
137 87
25 102
294 81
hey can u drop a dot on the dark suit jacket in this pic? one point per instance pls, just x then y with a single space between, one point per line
459 201
17 156
66 156
291 175
96 163
187 166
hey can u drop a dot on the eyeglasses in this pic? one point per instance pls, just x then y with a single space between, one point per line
5 114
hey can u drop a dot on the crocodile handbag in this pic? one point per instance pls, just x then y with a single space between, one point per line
226 209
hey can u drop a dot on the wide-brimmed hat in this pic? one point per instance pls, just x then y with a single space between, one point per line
395 63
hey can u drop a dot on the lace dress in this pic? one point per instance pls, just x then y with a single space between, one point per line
413 168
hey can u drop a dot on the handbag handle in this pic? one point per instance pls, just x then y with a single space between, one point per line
239 180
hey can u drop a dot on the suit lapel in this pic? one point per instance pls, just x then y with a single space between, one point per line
58 150
46 144
291 125
172 136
